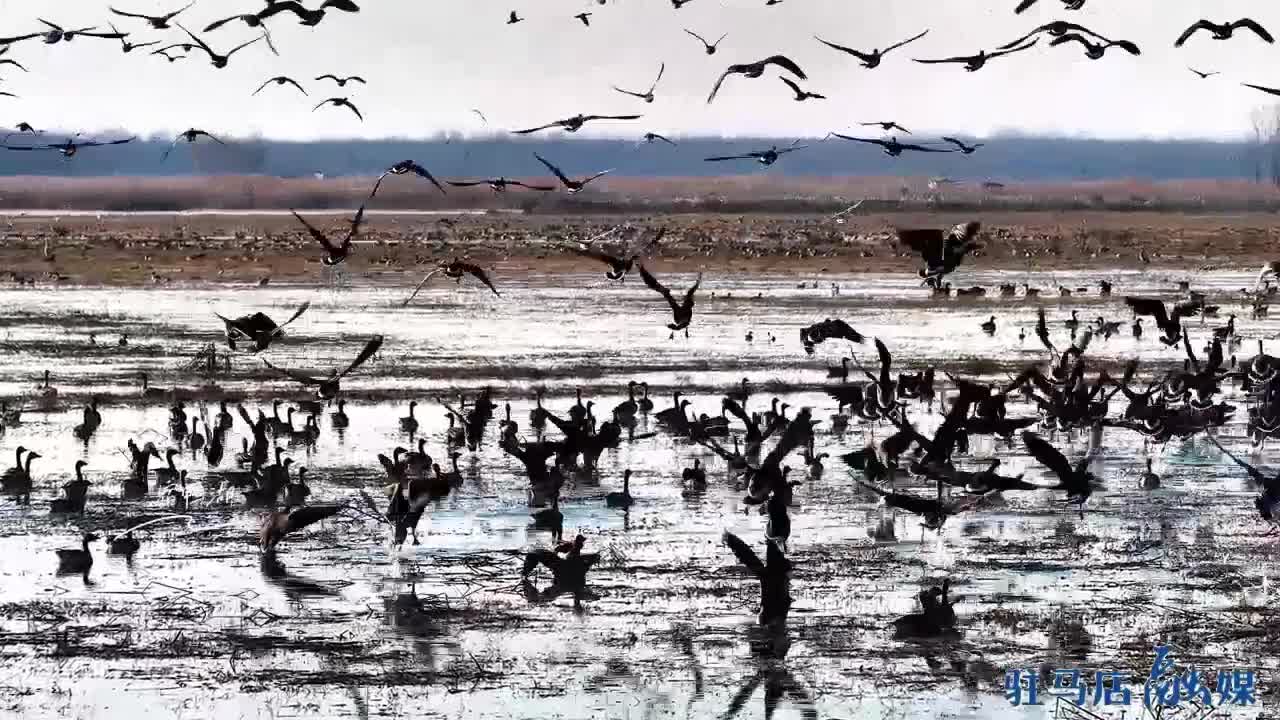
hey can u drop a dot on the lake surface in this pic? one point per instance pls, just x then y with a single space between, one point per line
341 624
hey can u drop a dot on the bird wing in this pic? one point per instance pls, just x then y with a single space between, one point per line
597 175
1148 306
926 241
716 88
1048 455
294 83
354 109
357 78
688 295
199 43
1253 25
555 170
791 84
1253 471
467 183
263 85
534 130
872 141
1071 37
219 23
1269 91
128 14
1126 45
719 158
478 273
319 236
355 226
958 59
297 314
587 118
1185 309
704 42
1022 6
304 379
744 553
797 434
419 287
653 284
843 49
304 516
18 38
527 186
922 148
1010 51
422 172
904 42
787 64
661 69
370 348
1186 34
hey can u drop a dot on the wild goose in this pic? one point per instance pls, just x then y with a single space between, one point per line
575 123
277 525
710 48
569 573
647 95
621 499
409 423
258 329
16 481
334 254
77 561
871 59
774 576
328 387
74 493
1224 31
755 70
973 63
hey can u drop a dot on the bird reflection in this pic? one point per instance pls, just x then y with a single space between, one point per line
293 585
769 645
410 616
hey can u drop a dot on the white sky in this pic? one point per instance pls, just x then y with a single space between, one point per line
429 61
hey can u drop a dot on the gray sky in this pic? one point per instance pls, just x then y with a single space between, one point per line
429 61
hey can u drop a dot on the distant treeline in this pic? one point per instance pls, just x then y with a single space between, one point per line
1004 159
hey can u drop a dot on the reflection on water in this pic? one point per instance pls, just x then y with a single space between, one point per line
340 624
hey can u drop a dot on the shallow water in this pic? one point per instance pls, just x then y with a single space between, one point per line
197 624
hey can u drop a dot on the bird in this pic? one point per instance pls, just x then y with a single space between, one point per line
774 576
709 47
258 328
157 22
764 157
1263 88
218 60
305 16
1095 50
942 251
647 95
870 59
1150 480
1270 486
77 561
1070 5
886 125
1058 28
70 147
960 146
406 167
569 573
802 95
342 81
514 18
281 80
989 327
892 147
585 17
57 34
650 137
619 265
973 63
682 311
622 499
334 254
455 269
1224 31
1207 75
125 45
277 525
575 123
327 387
1169 322
499 184
572 186
189 136
340 102
1077 481
756 69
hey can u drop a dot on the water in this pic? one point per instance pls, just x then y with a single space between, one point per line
197 624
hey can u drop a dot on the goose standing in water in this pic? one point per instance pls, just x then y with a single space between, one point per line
1150 480
989 327
694 479
90 422
551 518
77 561
339 419
644 403
167 475
74 493
409 424
621 499
194 439
16 481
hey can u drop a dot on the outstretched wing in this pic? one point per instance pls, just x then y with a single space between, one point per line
1186 34
1148 306
787 64
911 39
796 435
311 514
841 48
478 273
1048 455
720 158
534 130
369 349
716 88
319 236
927 242
1253 25
653 284
293 317
554 170
744 553
304 379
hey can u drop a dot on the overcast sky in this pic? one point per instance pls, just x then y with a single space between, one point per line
429 61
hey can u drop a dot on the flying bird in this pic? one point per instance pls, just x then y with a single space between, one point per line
189 136
514 18
619 265
764 157
342 81
281 80
709 47
1095 50
573 186
1263 88
158 22
1224 31
1169 322
405 167
305 16
942 251
585 17
327 388
70 147
258 328
681 311
1057 28
456 269
886 125
802 95
277 525
649 137
219 61
1207 75
1068 4
646 96
1077 481
334 254
340 102
870 59
891 147
973 63
499 184
57 34
575 123
756 69
125 45
965 149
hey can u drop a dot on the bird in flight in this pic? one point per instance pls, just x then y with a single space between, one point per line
649 137
514 18
573 186
405 167
334 254
801 95
189 136
1263 88
575 123
973 63
585 17
1169 322
57 34
891 147
646 96
342 81
886 125
960 146
499 184
127 46
157 22
327 387
1095 50
1207 75
340 102
1057 28
258 329
280 80
681 311
163 52
870 59
219 61
455 269
756 69
1225 30
1069 4
764 157
710 48
70 147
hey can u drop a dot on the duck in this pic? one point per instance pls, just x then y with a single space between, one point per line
16 481
409 424
989 327
621 499
77 561
1150 480
339 418
74 493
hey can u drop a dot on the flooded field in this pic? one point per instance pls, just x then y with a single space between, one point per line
339 623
